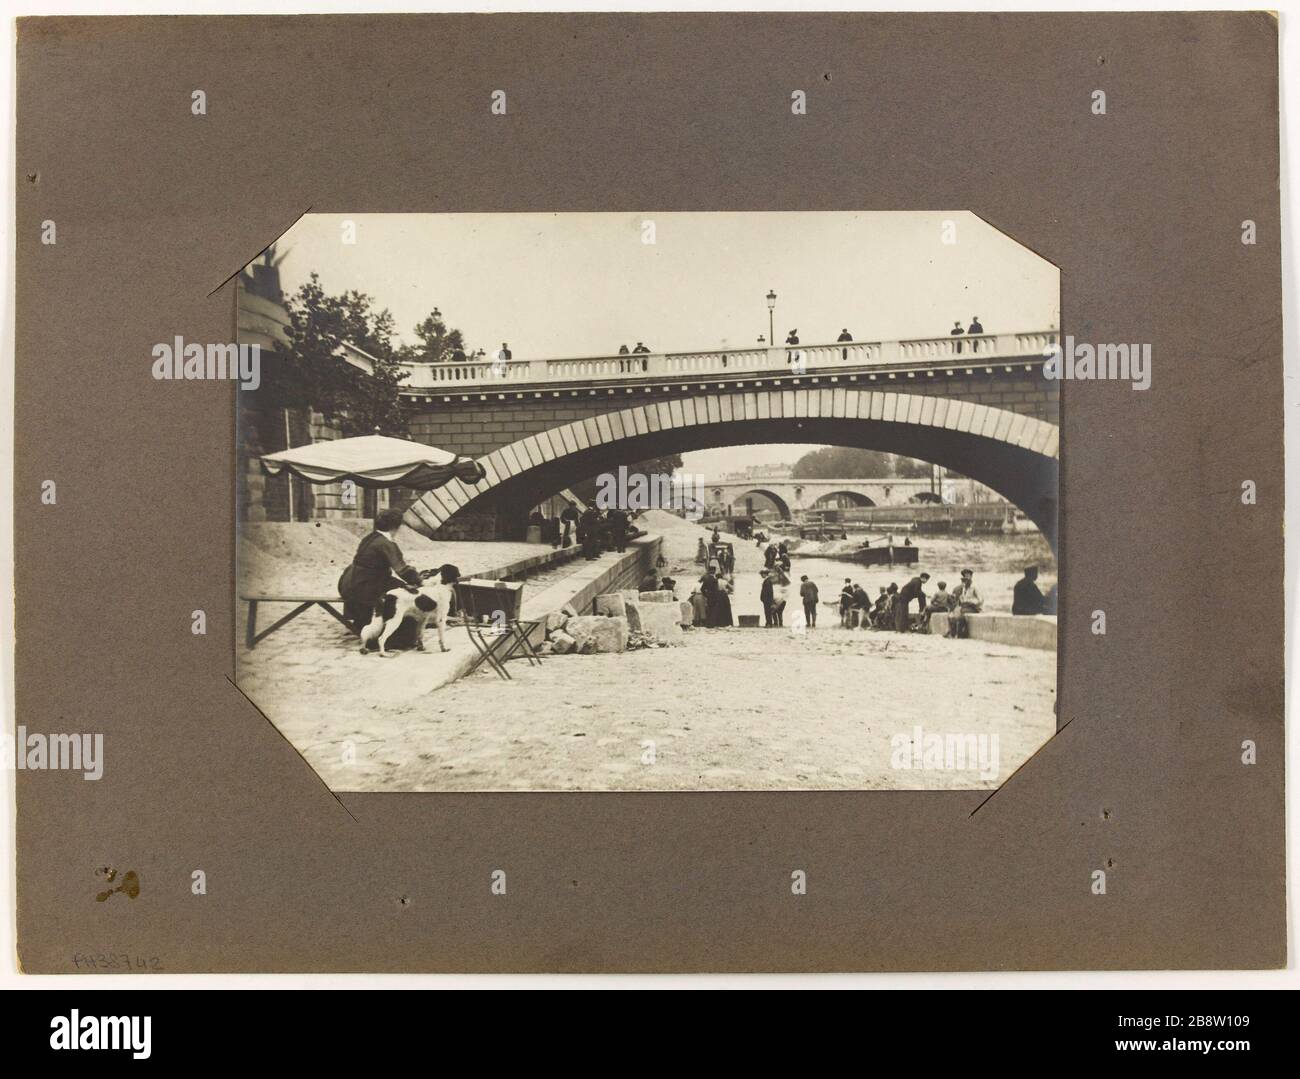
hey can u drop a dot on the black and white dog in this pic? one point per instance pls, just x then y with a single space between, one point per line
431 602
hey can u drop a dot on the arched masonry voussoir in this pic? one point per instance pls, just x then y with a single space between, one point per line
801 413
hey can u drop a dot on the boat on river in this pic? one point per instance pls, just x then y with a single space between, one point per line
878 556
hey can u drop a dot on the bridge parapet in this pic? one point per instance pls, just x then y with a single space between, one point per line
812 359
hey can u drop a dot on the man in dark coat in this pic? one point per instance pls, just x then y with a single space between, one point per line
568 520
1026 597
377 567
913 590
589 533
768 598
860 614
618 529
792 338
808 593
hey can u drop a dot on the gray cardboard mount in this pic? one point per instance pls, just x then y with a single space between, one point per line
1142 209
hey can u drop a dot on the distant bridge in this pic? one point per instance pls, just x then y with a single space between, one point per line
789 496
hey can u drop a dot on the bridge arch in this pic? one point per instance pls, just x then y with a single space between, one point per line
836 499
782 506
1014 454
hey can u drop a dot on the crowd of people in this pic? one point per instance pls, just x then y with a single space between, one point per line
711 598
902 609
594 530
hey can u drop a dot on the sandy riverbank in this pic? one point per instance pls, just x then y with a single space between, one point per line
728 710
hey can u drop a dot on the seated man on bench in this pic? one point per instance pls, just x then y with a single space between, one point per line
965 600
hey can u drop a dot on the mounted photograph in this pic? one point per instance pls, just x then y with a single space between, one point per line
650 501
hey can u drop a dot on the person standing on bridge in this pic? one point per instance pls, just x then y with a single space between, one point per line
975 326
913 590
808 593
792 338
957 331
505 354
844 336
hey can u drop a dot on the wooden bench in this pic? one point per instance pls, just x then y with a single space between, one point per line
326 600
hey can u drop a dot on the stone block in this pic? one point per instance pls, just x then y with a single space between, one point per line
611 604
662 596
562 643
662 622
596 633
1024 631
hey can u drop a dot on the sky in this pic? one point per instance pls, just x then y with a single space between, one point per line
581 284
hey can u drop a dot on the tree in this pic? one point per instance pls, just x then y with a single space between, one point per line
911 469
843 463
437 342
848 463
312 373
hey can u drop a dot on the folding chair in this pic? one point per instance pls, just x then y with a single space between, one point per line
490 611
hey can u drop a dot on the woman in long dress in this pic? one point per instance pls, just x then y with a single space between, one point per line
709 589
723 613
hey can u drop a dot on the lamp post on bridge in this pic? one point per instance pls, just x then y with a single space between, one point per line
771 308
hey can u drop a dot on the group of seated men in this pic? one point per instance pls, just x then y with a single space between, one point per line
891 609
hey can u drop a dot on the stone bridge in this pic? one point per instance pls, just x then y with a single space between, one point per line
977 405
788 496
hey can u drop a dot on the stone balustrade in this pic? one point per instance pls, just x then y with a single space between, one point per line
799 359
